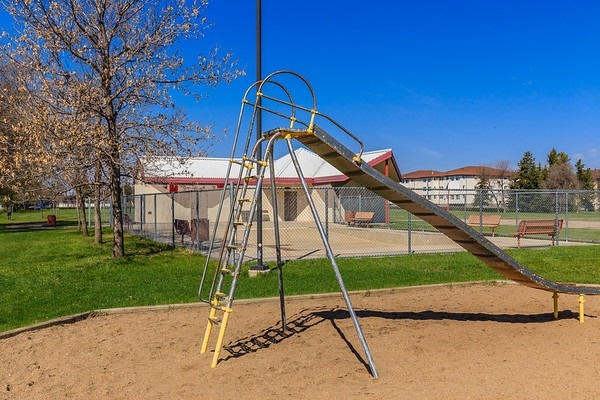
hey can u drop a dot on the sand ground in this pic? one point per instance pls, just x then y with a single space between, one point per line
482 341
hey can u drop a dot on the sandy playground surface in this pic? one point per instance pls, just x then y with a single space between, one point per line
445 342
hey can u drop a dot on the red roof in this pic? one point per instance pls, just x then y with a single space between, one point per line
463 171
210 171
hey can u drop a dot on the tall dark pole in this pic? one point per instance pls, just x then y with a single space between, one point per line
259 230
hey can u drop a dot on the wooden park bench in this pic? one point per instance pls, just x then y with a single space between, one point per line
129 223
361 217
127 220
548 227
486 221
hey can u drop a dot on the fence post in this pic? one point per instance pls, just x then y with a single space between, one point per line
197 222
465 195
155 220
481 210
326 213
142 215
517 210
173 219
89 201
556 212
409 229
567 216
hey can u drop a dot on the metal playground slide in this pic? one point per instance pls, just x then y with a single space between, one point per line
336 153
249 167
362 173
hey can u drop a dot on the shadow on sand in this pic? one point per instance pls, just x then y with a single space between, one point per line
309 318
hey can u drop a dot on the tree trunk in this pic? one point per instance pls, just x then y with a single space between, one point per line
97 204
81 212
115 194
97 219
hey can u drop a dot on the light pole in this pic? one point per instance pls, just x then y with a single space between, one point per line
259 231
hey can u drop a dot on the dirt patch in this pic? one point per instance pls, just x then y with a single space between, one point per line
445 342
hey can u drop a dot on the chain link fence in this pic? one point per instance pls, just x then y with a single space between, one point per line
358 222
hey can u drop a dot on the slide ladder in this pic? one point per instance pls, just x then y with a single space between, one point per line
227 265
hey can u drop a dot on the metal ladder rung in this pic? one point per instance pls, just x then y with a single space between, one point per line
219 296
263 163
216 320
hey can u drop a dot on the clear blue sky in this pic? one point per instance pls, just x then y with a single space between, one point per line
443 83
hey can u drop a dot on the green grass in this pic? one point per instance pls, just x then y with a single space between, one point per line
64 217
47 273
399 220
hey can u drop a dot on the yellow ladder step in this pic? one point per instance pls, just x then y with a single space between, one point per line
220 296
255 161
226 271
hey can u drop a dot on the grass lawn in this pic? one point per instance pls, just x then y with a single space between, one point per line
47 273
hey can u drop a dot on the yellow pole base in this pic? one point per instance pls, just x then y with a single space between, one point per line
581 313
211 317
219 344
555 298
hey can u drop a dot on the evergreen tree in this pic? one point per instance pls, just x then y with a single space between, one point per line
586 182
557 157
584 176
528 175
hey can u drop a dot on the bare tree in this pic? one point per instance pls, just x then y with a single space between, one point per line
118 62
502 180
561 176
20 169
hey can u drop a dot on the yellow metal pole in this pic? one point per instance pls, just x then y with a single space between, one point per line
555 298
211 318
581 314
219 344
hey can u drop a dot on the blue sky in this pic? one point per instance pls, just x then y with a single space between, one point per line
443 83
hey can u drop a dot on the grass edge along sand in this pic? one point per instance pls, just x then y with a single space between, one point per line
45 274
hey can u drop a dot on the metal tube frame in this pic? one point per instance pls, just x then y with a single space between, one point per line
331 257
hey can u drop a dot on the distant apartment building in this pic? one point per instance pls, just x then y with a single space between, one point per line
456 187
